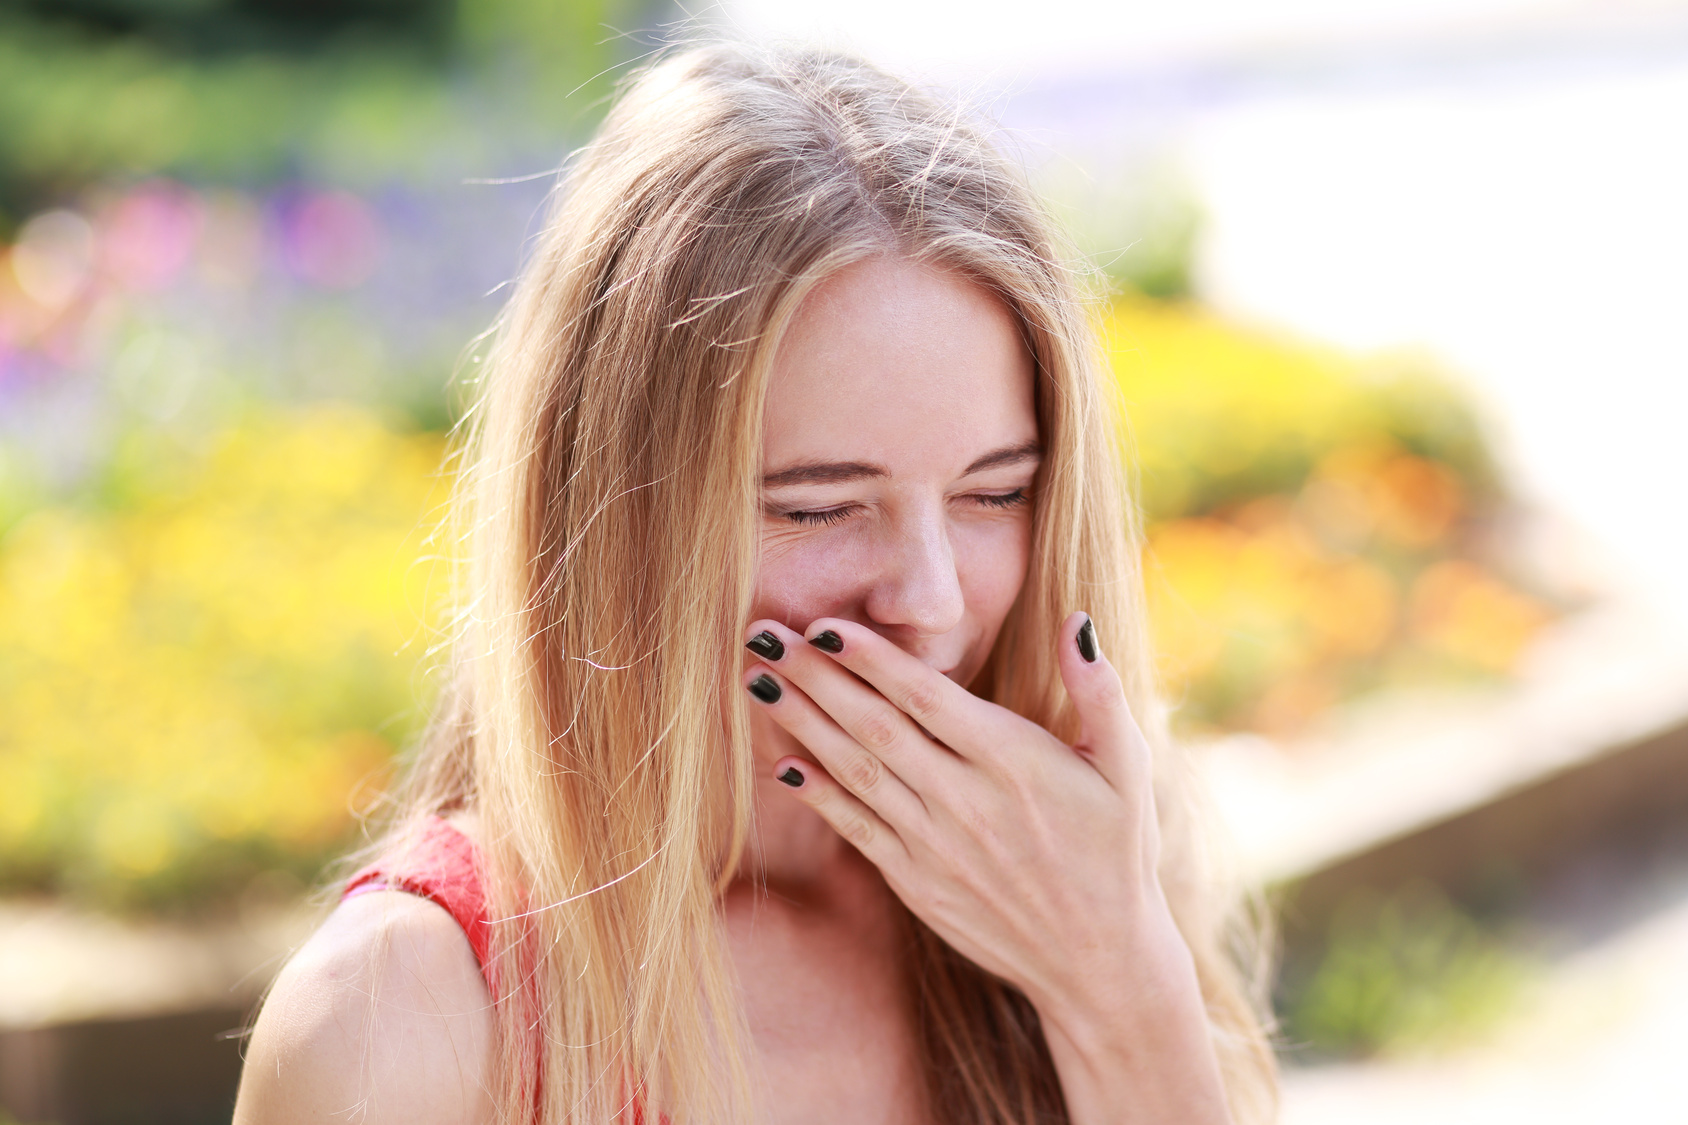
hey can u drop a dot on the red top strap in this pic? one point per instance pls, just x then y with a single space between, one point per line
440 864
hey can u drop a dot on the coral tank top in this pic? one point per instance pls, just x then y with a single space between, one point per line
442 865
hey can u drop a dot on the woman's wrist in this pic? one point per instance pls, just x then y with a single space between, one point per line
1138 1047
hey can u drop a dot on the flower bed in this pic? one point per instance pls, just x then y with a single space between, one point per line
1318 526
213 644
197 676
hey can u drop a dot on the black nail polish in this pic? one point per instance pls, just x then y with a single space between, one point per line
1087 641
765 688
828 641
791 777
766 645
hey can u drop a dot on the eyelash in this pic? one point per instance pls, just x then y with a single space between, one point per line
1004 499
827 516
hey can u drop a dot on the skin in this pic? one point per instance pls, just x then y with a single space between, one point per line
382 1016
900 455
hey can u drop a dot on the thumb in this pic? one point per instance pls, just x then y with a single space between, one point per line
1108 733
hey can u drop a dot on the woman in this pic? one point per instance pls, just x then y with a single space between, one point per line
794 368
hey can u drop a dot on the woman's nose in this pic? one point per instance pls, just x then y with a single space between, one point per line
917 585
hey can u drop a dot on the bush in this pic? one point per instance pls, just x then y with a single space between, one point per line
1404 972
1316 524
197 676
205 655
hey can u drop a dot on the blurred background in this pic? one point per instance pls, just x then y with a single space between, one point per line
1397 290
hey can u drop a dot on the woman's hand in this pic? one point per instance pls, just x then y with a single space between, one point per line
1034 859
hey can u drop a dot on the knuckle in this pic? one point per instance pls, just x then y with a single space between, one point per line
877 730
922 701
862 773
854 827
1110 695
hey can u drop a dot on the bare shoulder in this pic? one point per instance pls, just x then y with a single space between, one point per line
382 1016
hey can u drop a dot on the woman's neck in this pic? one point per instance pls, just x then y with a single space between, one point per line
792 850
818 944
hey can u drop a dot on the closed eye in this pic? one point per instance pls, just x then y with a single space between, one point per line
810 517
820 516
1002 499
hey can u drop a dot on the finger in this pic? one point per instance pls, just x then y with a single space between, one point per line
865 830
860 770
1108 735
859 709
940 707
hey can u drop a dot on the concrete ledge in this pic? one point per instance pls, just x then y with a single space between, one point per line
1578 833
59 965
1387 769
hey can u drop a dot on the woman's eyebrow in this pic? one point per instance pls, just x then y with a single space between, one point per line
1007 455
842 472
823 472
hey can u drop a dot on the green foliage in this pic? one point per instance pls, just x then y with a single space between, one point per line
20 490
1223 413
563 41
1401 973
205 28
1159 261
1140 225
227 91
73 112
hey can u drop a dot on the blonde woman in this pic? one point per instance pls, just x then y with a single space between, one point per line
800 764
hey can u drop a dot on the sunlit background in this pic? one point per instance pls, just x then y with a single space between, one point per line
1397 308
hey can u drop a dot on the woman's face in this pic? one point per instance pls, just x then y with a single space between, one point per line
897 464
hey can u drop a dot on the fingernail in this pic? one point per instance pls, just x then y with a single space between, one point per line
791 777
1087 640
765 688
828 641
766 645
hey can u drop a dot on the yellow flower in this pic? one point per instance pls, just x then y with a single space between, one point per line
1466 613
1293 493
217 663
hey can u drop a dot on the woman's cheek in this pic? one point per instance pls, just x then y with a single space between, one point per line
803 576
992 560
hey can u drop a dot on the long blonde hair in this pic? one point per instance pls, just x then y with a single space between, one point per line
595 725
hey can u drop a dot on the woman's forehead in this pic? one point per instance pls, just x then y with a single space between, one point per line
887 355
